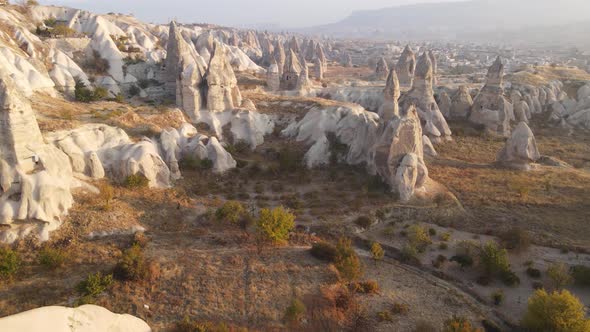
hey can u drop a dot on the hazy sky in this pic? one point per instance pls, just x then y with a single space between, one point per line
287 13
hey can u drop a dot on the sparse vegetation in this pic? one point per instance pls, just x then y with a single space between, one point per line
581 275
10 263
275 225
364 222
419 238
132 266
324 251
459 324
52 258
347 261
93 286
377 252
559 311
559 275
295 312
230 212
136 181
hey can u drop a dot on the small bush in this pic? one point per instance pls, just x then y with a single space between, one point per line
443 246
581 275
93 285
463 260
377 252
533 273
445 237
136 181
498 297
52 258
432 231
231 212
516 239
493 260
509 278
132 266
400 309
558 312
384 316
439 261
367 287
347 261
364 222
324 251
409 254
295 312
419 237
459 324
189 325
107 193
63 30
275 225
10 263
559 275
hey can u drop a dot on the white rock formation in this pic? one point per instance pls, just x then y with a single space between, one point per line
398 155
381 70
86 318
461 104
390 107
445 104
520 151
223 92
273 79
406 66
490 108
422 96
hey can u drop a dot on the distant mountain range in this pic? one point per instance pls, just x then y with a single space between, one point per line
469 20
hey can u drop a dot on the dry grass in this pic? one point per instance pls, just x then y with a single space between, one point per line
542 75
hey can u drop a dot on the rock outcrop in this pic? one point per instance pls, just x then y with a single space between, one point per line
86 318
520 151
445 104
398 155
318 69
432 57
461 104
381 70
222 92
291 72
490 108
422 96
390 107
406 65
273 78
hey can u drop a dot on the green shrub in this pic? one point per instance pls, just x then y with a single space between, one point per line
324 251
231 212
419 237
10 263
432 231
275 225
493 260
52 258
135 181
189 325
559 275
463 260
93 285
364 222
445 237
557 312
377 252
347 261
509 278
581 275
533 273
498 297
100 93
120 98
295 312
459 324
516 239
132 266
409 254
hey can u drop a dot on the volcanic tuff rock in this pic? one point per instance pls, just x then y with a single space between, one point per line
291 72
422 96
520 150
445 104
490 108
273 79
398 156
223 92
406 65
391 94
461 103
381 70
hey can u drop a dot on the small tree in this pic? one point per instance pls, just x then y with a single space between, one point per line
231 212
347 261
275 225
559 275
295 312
377 252
559 311
493 260
419 237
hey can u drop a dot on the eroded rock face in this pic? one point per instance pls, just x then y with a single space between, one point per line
291 72
35 178
445 104
406 66
432 57
223 92
391 94
303 82
273 79
398 155
86 318
346 60
490 108
382 69
422 96
280 57
318 69
520 151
